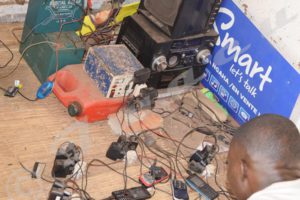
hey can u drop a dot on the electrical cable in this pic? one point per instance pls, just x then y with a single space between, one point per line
132 179
6 64
11 55
195 94
140 142
178 149
27 98
223 192
149 148
24 51
105 30
39 43
32 173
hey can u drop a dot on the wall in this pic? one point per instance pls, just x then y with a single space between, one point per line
10 11
279 22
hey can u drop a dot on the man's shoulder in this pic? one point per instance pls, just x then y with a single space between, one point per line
288 190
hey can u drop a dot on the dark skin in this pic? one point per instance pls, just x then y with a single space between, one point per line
255 166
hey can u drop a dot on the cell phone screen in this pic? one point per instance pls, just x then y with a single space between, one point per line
197 181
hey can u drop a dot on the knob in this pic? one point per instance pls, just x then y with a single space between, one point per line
173 61
159 63
74 109
203 56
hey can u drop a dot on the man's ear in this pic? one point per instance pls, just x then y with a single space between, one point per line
244 170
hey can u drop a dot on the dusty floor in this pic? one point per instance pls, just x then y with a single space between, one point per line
32 131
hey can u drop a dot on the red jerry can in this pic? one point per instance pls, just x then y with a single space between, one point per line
78 92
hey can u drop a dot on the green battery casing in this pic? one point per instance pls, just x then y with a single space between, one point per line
44 16
42 57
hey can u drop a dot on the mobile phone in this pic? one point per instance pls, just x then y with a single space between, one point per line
136 193
154 176
201 187
179 190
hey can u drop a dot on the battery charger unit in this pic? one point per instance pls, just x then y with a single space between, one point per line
42 57
54 16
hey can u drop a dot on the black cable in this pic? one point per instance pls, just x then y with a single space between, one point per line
130 127
21 94
27 98
178 149
103 163
223 192
26 37
165 158
149 148
215 114
107 27
3 89
32 173
90 164
11 55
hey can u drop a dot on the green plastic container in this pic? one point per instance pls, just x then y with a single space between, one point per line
42 58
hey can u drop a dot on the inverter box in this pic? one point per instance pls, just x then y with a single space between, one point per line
112 67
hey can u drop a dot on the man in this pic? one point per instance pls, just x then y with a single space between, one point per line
264 160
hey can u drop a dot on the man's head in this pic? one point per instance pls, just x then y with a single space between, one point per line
263 151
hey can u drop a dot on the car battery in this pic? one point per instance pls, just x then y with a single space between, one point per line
79 93
54 16
42 57
112 68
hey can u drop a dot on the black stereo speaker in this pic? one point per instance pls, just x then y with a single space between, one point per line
166 57
181 18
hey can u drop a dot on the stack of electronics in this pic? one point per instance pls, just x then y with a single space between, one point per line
49 41
98 88
172 38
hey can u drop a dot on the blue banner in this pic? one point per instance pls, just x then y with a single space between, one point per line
248 75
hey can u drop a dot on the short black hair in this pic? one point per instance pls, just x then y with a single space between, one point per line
270 137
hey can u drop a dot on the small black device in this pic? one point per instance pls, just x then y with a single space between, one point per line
200 159
136 193
141 76
167 58
179 190
58 191
145 100
118 150
65 160
181 18
11 91
201 187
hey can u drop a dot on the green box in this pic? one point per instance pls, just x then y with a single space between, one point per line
46 16
42 58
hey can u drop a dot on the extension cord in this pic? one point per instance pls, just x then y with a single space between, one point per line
211 108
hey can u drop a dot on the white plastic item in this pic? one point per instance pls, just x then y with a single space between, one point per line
131 157
79 170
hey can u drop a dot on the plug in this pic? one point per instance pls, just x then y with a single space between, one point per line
141 76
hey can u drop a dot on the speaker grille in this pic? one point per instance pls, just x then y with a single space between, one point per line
165 11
